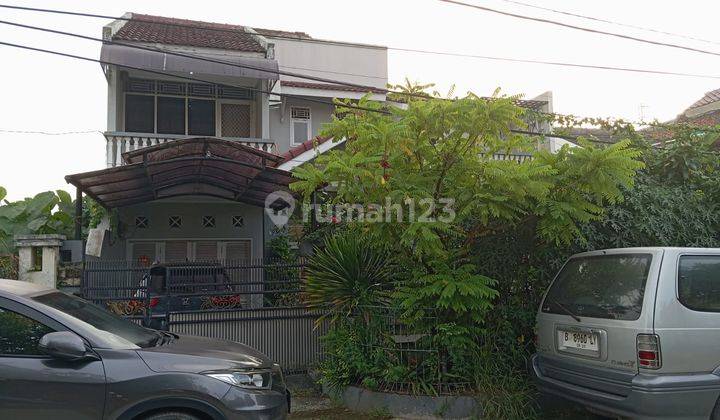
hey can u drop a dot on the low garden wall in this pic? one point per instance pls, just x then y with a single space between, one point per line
411 406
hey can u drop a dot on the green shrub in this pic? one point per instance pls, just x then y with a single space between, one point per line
346 273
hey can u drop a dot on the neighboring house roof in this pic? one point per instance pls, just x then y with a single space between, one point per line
282 34
599 135
530 104
329 86
710 97
172 31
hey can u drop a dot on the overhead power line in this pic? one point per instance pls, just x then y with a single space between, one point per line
412 50
580 28
561 64
196 57
49 133
642 28
196 79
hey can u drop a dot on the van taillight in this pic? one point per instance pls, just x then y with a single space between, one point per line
648 351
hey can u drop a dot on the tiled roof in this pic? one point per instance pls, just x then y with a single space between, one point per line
710 97
302 148
597 134
328 86
163 30
282 34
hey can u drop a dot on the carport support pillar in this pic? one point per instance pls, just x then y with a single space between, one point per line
78 213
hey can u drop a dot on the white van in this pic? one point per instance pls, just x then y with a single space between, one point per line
634 332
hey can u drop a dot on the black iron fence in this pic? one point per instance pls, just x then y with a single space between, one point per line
402 355
256 302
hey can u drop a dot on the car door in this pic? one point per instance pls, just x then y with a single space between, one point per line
36 386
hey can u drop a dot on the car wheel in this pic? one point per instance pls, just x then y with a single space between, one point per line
171 415
716 411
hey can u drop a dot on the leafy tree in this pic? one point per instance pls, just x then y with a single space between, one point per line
46 212
436 152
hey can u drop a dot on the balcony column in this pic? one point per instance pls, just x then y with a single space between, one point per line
119 141
110 153
265 112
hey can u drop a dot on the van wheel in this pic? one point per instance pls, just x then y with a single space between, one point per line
171 415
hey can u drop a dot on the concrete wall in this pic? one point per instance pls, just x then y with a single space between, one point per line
281 124
191 209
354 63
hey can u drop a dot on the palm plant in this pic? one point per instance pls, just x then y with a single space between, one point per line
346 274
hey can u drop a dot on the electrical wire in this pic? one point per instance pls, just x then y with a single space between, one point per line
196 79
197 57
561 64
420 51
580 28
349 106
49 133
642 28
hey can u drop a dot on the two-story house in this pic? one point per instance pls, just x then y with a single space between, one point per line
193 145
204 120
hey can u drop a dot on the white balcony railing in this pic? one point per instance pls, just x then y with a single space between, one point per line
119 142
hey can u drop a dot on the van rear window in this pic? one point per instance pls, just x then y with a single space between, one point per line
699 282
603 286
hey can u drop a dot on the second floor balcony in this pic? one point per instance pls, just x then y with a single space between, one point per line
146 112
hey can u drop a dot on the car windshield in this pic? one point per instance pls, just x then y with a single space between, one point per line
99 318
604 286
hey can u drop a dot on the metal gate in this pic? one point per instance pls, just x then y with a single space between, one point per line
254 302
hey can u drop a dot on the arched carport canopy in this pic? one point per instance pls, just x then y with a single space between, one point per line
195 166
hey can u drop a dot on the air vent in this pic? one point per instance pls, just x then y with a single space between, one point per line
140 86
171 88
175 222
198 89
208 221
300 113
234 92
142 222
238 221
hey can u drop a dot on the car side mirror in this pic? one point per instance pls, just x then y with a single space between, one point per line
64 345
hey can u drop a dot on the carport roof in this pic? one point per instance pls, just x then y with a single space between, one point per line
195 166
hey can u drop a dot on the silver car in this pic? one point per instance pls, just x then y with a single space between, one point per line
634 333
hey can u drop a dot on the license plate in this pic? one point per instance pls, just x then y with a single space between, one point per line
578 340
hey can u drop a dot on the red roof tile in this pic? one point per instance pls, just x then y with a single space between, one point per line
163 30
282 34
302 148
328 86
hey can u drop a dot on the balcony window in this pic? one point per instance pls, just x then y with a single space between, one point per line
201 117
140 113
178 108
170 115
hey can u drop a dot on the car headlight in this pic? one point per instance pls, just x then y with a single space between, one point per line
251 379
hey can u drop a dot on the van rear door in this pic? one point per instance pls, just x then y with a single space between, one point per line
595 308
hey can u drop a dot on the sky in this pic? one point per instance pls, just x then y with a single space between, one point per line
45 93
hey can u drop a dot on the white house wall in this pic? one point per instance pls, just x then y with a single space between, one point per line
281 123
353 63
191 209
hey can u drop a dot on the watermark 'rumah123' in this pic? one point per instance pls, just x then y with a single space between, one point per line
280 205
